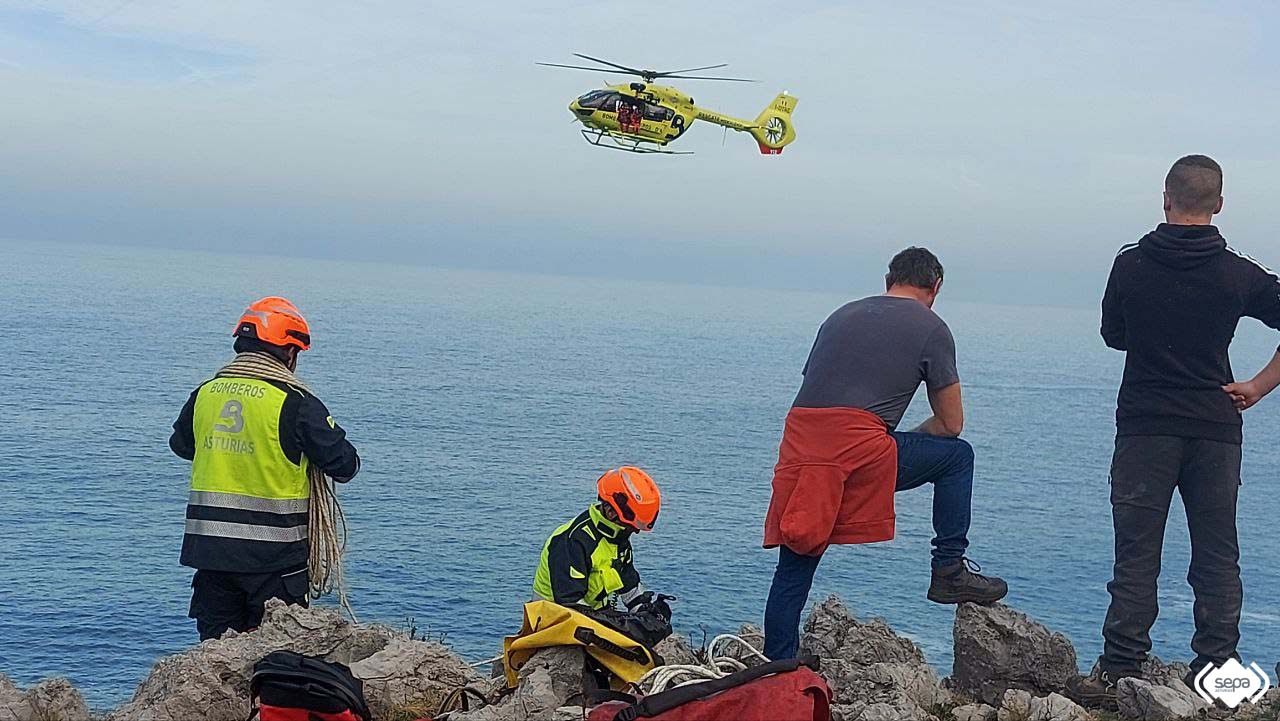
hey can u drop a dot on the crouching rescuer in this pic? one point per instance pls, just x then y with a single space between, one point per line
262 518
587 563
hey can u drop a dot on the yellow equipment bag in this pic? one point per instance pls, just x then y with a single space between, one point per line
547 624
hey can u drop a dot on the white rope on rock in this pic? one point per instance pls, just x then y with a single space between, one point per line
718 665
487 661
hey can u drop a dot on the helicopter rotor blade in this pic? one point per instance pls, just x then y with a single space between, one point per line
633 71
692 70
648 74
705 77
582 67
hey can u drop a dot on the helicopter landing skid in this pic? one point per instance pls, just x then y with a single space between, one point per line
625 143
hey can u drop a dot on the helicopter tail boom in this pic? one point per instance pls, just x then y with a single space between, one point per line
773 129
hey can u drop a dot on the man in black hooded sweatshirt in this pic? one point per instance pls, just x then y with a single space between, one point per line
1172 304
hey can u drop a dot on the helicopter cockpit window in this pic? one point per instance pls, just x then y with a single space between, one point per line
596 99
657 112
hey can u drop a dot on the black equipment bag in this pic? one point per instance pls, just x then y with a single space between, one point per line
285 683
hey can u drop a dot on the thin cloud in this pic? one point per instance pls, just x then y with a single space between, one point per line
988 130
110 13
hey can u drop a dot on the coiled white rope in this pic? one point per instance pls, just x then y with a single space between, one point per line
327 531
718 665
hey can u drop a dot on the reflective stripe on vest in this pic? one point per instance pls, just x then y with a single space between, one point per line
246 531
249 503
240 472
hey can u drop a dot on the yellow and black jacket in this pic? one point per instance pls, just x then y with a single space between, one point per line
587 562
250 442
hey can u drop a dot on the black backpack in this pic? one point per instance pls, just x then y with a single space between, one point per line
288 685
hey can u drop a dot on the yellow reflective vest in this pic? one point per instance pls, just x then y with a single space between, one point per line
247 511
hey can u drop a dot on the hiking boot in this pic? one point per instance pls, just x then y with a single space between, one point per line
960 582
1097 690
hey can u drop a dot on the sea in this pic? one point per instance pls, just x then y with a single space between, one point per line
485 405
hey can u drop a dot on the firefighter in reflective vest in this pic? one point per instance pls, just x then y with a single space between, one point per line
587 562
251 433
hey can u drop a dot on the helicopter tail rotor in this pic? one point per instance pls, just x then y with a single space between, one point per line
773 129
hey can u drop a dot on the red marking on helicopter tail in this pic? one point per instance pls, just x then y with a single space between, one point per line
766 150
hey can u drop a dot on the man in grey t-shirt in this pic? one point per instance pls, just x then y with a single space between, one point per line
873 354
869 358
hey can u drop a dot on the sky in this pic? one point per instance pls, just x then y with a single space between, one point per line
1022 142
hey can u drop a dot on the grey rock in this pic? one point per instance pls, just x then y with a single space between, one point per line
908 687
211 680
410 673
675 650
550 678
53 699
875 674
1056 707
1015 705
997 649
879 712
10 695
831 631
1165 674
1140 699
1267 709
57 699
974 712
1020 705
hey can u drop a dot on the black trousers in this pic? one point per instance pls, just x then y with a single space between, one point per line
221 601
1144 473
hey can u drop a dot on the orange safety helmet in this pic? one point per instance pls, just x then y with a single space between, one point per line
633 496
276 321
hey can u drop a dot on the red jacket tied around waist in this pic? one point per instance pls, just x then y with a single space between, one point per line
834 482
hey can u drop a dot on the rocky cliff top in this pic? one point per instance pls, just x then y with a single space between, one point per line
1008 667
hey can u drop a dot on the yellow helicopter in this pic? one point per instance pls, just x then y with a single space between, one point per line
641 117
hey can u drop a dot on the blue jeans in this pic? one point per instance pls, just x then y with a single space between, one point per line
947 463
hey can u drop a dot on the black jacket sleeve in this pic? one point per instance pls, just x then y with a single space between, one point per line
1113 328
324 442
569 561
183 440
1264 297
